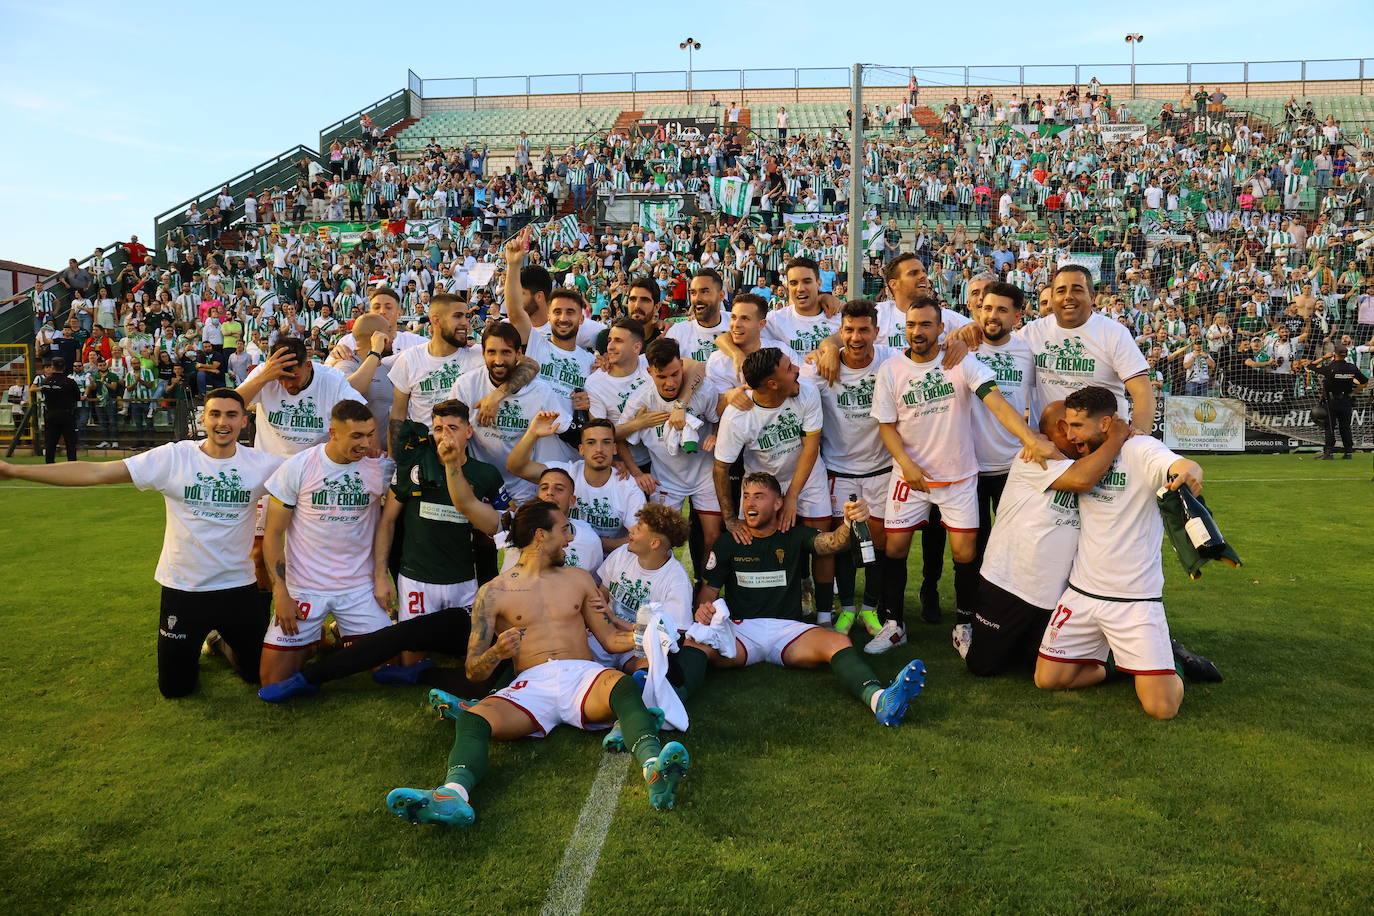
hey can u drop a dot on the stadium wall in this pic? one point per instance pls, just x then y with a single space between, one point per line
930 95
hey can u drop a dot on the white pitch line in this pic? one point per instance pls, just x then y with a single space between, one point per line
1211 480
569 888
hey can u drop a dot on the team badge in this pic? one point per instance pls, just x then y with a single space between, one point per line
780 554
171 621
711 560
415 474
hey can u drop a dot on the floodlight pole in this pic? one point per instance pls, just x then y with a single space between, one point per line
856 183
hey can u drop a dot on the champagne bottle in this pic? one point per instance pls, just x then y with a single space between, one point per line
1202 531
580 415
863 539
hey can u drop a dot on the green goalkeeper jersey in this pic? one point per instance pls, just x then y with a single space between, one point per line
436 547
764 578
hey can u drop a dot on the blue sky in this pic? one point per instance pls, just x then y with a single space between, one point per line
117 112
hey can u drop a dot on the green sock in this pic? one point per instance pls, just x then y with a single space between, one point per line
844 578
854 674
692 662
637 724
467 762
1178 669
1110 665
825 597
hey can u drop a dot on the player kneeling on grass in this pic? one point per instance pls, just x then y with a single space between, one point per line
212 488
324 505
542 611
759 568
1114 601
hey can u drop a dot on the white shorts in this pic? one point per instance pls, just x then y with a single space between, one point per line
419 598
357 612
703 498
766 638
908 509
1083 629
815 498
553 694
872 492
260 526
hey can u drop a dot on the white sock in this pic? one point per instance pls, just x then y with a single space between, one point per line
847 609
457 787
868 608
873 701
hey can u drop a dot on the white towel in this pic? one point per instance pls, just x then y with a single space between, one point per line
674 438
720 635
657 691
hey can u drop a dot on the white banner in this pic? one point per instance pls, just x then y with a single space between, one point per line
1204 424
1121 133
1091 261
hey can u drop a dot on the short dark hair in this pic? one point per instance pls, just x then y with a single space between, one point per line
536 279
351 411
709 274
1075 268
1006 291
58 364
451 407
547 471
636 328
535 515
763 479
926 302
860 308
662 352
383 291
504 330
759 365
294 345
669 523
1095 400
753 299
447 300
597 423
803 262
649 284
569 292
229 393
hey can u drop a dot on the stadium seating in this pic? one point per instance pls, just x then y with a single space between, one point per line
500 128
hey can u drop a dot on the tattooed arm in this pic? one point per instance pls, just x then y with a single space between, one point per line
483 655
599 620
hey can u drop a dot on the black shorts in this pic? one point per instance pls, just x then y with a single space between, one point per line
185 618
1006 631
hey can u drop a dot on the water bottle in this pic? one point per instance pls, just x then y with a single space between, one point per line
580 415
863 538
641 625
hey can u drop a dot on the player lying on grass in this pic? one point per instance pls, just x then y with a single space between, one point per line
538 614
212 488
760 575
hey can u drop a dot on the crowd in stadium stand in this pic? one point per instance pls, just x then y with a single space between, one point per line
1222 243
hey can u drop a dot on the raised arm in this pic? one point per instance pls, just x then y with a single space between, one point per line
68 474
1142 395
1036 447
370 363
277 365
524 372
483 516
520 461
1088 470
515 307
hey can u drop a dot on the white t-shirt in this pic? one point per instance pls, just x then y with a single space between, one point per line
631 585
609 394
211 512
850 443
1118 555
583 552
696 342
428 379
1035 537
1014 368
770 438
933 409
609 508
803 333
1097 352
721 371
291 423
562 370
329 542
493 443
683 473
892 324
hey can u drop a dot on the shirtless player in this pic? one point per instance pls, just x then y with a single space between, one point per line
542 611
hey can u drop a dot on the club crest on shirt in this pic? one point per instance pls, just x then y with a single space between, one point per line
780 553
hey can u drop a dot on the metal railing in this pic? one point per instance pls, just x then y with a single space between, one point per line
16 318
401 104
930 76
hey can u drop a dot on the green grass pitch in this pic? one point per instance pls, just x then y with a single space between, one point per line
992 798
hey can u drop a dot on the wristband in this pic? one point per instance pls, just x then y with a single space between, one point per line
374 353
